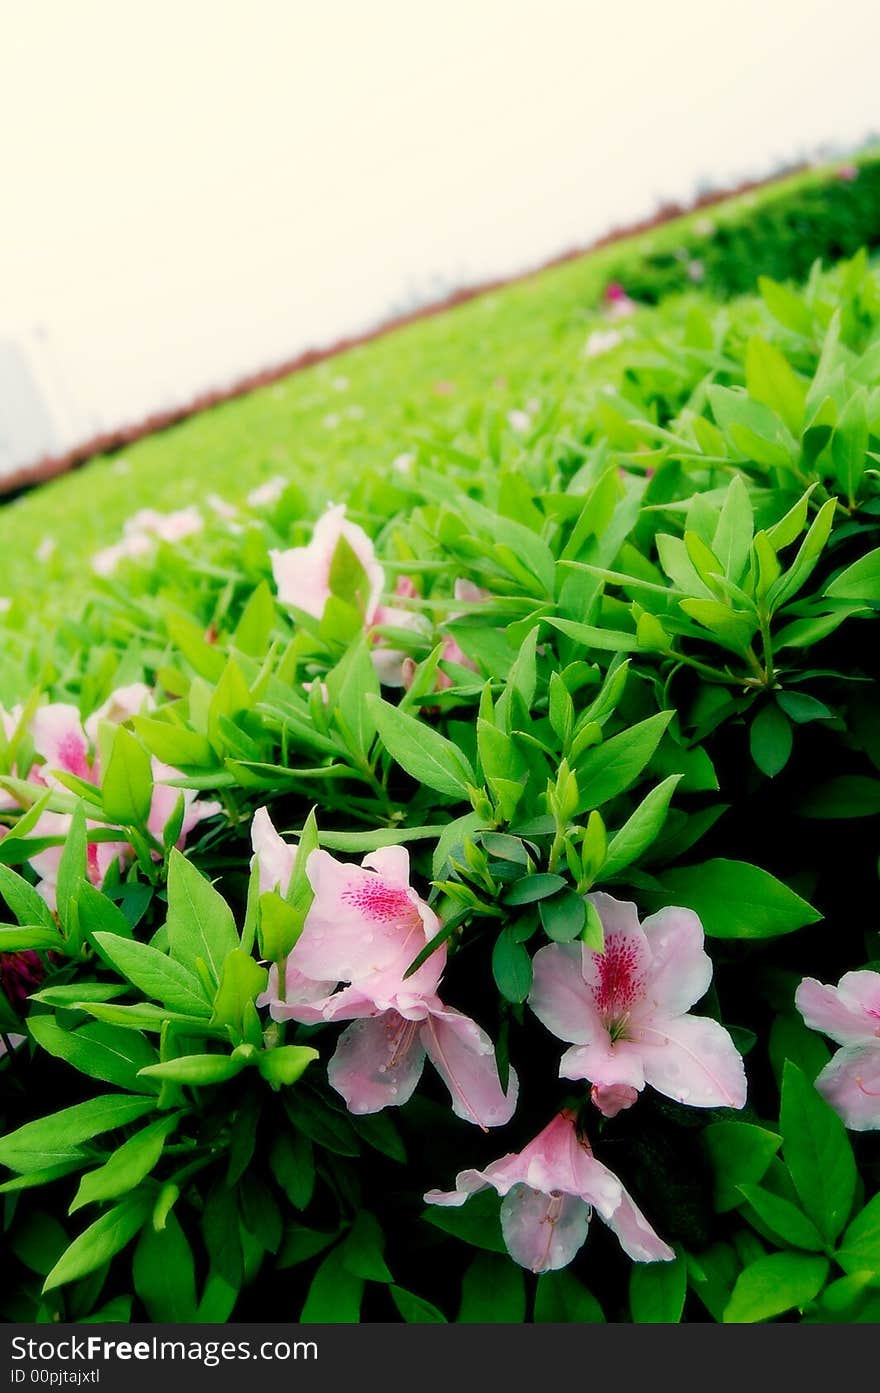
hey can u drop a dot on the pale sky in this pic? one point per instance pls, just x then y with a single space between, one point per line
194 189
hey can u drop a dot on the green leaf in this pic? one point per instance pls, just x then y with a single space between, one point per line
425 754
72 870
99 1050
492 1292
771 380
610 768
197 1069
783 1218
127 782
657 1291
530 888
860 581
477 1222
241 982
163 1272
415 1310
770 740
740 1154
155 974
254 629
775 1284
363 1247
848 795
849 444
200 923
101 1241
128 1166
786 306
607 640
511 967
286 1064
860 1248
641 829
736 900
563 916
817 1152
29 936
560 1299
54 1140
335 1294
174 744
27 906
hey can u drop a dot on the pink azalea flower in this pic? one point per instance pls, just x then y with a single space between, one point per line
164 803
120 706
264 495
302 574
365 926
58 737
618 304
626 1010
105 562
168 527
850 1014
100 856
275 858
549 1191
602 341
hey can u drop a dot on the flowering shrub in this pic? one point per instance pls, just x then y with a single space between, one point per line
544 762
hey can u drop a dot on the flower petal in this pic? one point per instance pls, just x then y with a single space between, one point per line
464 1057
560 997
623 1216
378 1062
851 1084
848 1013
58 736
681 969
304 1000
613 1065
693 1060
274 857
543 1232
362 926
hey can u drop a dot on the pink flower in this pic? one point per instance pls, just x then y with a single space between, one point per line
168 527
848 172
164 804
58 737
120 706
850 1014
549 1190
602 341
302 574
618 304
275 858
626 1010
264 495
20 974
100 856
104 562
365 926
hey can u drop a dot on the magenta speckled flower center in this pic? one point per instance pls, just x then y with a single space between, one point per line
618 985
382 903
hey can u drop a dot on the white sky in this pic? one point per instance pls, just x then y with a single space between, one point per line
193 189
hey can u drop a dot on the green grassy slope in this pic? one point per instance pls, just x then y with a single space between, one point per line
517 349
